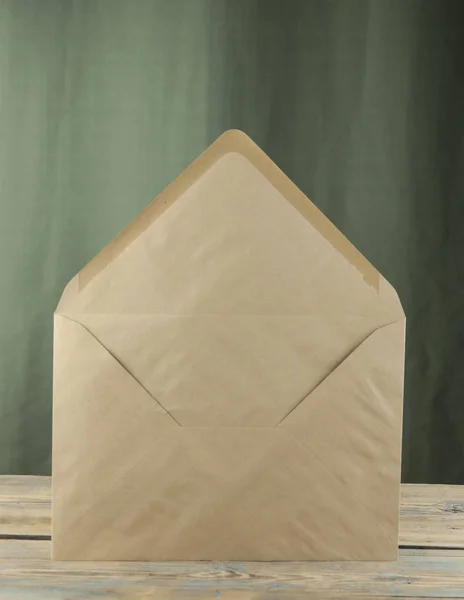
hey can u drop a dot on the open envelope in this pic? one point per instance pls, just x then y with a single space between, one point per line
228 381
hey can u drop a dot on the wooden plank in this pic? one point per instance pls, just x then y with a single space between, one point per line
431 515
25 505
424 574
134 593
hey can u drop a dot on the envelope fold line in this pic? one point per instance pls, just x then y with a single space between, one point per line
334 370
120 364
171 355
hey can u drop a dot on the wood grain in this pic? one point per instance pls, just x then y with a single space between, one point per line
25 505
432 516
429 574
431 565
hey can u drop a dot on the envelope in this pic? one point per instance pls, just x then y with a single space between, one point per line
228 381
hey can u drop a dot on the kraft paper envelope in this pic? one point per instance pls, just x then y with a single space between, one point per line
228 381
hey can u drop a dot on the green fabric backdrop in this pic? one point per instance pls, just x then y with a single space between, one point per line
104 102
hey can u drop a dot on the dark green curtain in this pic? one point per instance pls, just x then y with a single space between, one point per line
361 103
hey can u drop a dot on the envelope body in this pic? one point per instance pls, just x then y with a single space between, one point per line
228 381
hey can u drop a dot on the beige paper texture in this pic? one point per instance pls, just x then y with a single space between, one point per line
228 381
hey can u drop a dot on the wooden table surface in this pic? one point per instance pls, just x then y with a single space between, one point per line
430 565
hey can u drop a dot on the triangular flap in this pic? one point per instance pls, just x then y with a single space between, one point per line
233 235
231 141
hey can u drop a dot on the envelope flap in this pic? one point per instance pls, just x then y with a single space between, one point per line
233 235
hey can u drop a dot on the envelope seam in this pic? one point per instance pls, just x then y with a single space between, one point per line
122 366
332 372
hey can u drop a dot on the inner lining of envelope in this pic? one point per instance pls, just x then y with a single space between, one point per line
230 308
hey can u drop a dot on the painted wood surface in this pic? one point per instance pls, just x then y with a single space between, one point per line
431 562
432 515
25 505
425 574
